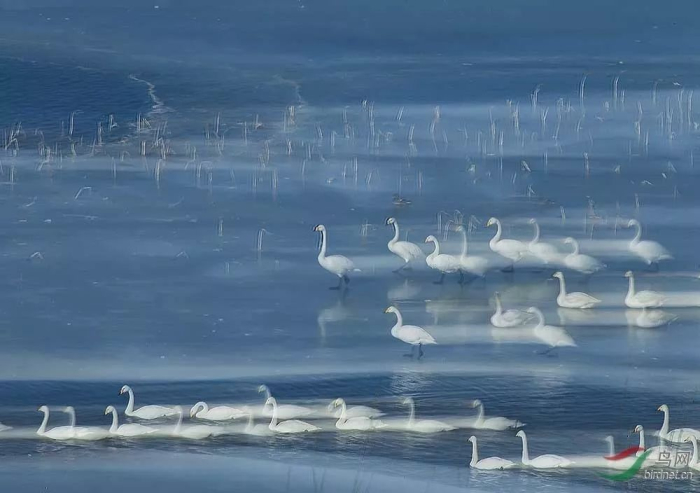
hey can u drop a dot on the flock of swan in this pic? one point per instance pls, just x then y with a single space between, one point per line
512 251
296 419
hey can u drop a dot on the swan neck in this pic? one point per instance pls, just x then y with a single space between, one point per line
537 233
411 414
638 234
115 422
611 446
273 422
71 417
178 426
249 426
475 454
695 457
540 318
322 253
497 237
562 286
499 308
436 252
666 425
396 234
641 441
464 243
130 405
526 453
399 319
44 423
631 290
575 245
480 413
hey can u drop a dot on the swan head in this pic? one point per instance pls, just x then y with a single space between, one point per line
390 221
319 228
472 439
629 274
407 400
270 401
476 403
335 403
533 310
638 429
124 389
43 409
262 388
520 434
391 309
195 409
532 221
109 410
663 408
491 222
632 222
431 239
558 275
69 410
569 240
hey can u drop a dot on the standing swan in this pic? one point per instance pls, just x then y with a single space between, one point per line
335 264
547 461
57 433
423 425
553 336
489 463
286 411
472 264
219 413
544 251
513 250
579 262
127 430
642 299
678 435
145 412
410 334
289 426
509 318
650 251
573 300
405 249
445 264
497 423
362 423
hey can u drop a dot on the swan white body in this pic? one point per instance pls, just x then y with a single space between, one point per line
549 334
288 426
579 262
361 423
423 425
410 334
126 430
496 423
57 433
406 250
335 264
286 411
490 463
508 318
145 412
441 262
359 412
471 263
573 300
679 435
219 413
196 432
650 251
545 252
85 432
547 461
513 250
642 299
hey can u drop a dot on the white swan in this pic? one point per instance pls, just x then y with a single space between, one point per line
642 299
126 430
145 412
57 433
509 318
552 336
219 413
196 432
650 251
650 319
84 432
513 250
547 461
335 264
255 429
472 264
362 423
445 264
573 300
489 463
404 249
654 452
694 462
678 435
290 425
497 423
286 411
611 445
579 262
423 425
544 251
410 334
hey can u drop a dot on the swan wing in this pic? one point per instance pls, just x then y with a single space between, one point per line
134 429
511 249
554 336
498 423
550 461
645 297
492 463
445 263
515 317
339 264
362 411
223 413
578 298
408 251
431 426
412 334
295 426
474 265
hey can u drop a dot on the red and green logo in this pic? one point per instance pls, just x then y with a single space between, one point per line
629 473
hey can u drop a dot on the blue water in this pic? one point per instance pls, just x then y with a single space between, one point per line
121 268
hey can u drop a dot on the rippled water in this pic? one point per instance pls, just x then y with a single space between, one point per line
120 268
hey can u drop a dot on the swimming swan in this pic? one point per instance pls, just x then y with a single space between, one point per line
489 463
650 251
472 264
509 318
335 264
497 423
126 430
423 425
286 411
404 249
288 426
573 300
84 432
410 334
57 433
145 412
196 432
678 435
547 461
445 264
642 299
219 413
544 251
513 250
362 423
579 262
